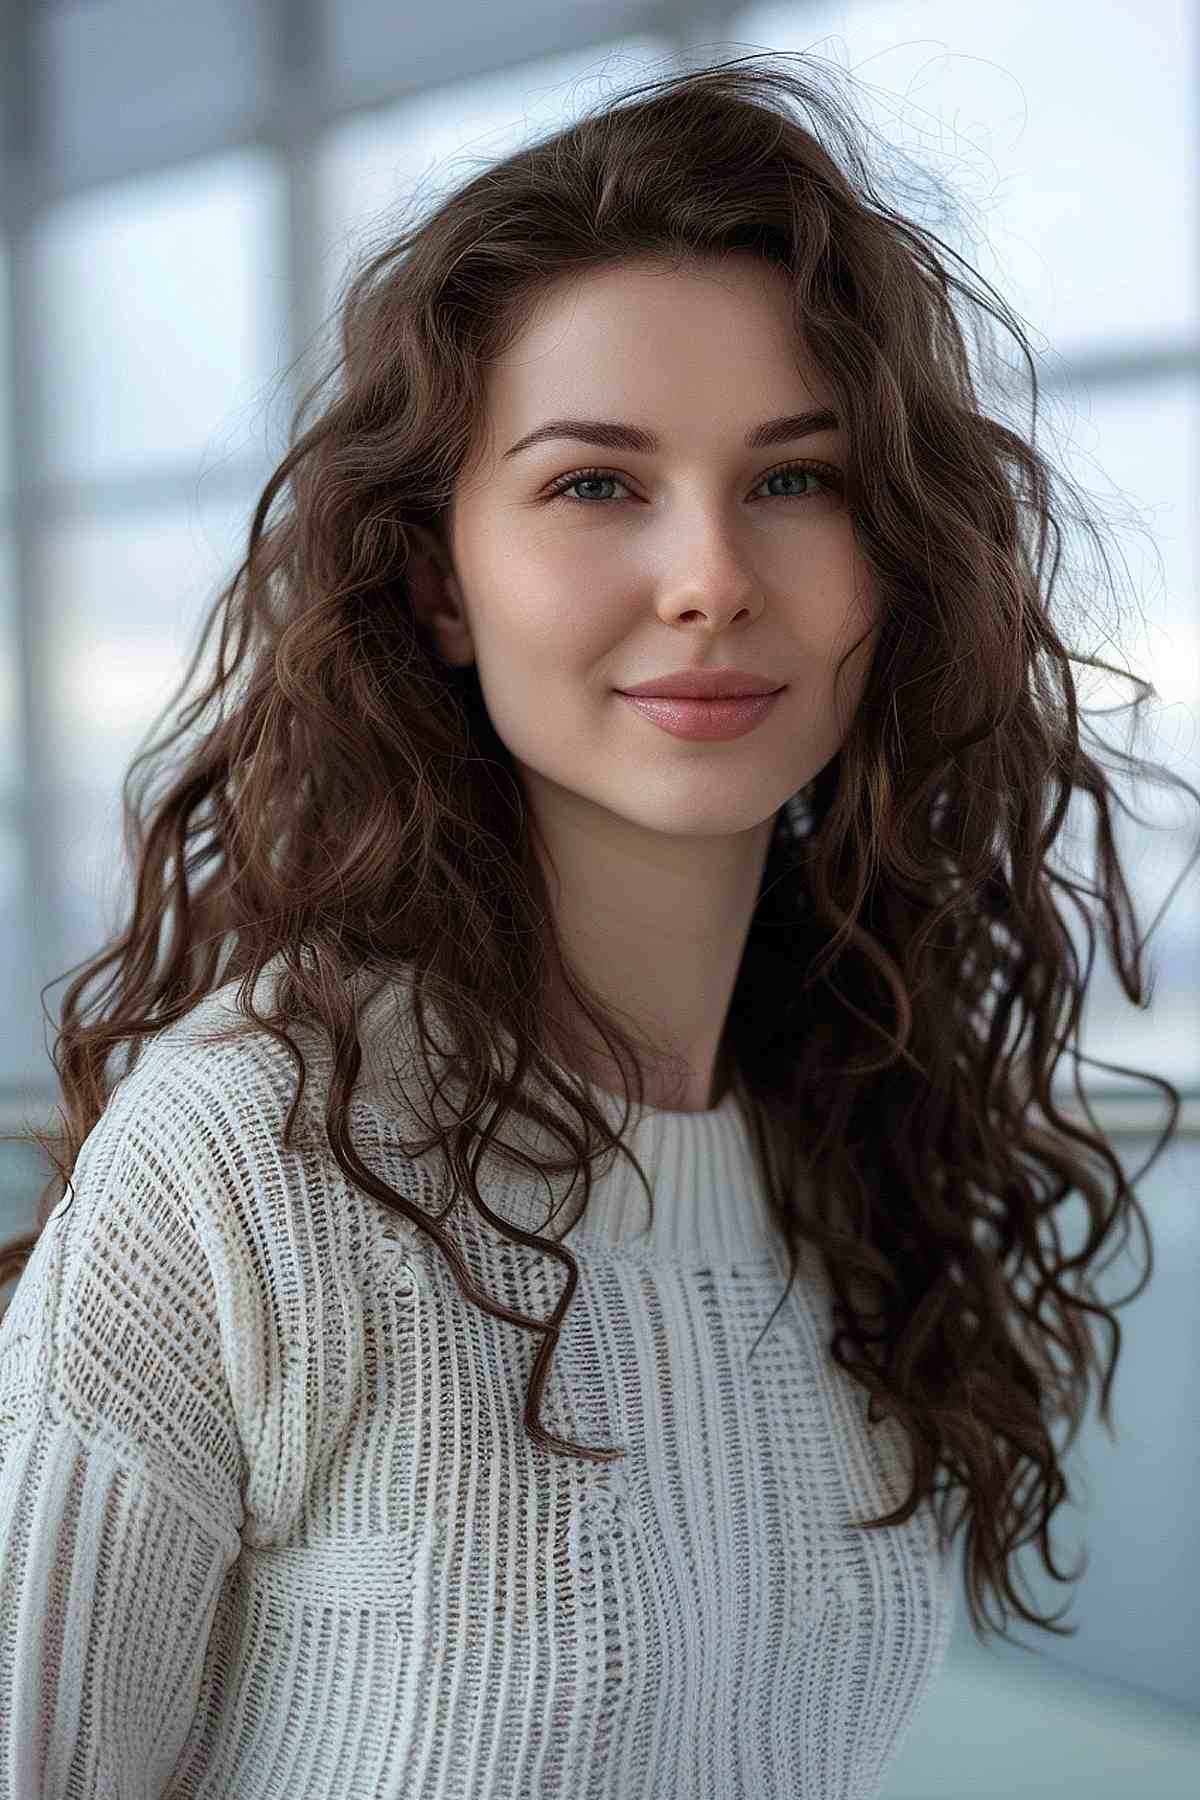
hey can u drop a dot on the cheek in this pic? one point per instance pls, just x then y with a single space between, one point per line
538 666
555 640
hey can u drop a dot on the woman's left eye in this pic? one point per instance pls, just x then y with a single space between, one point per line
829 477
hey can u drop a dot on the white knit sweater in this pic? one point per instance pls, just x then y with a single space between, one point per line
271 1523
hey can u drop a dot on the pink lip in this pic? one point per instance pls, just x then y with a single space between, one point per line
704 719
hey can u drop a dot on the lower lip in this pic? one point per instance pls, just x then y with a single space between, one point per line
705 718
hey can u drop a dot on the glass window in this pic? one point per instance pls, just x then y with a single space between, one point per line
123 600
11 754
380 163
1068 132
163 315
129 72
7 477
1135 449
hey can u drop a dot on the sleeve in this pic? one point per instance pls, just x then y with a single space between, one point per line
121 1461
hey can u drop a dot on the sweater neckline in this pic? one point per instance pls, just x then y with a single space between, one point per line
710 1207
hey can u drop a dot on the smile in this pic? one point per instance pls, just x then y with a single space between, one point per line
705 719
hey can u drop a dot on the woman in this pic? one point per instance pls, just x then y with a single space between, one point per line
314 1475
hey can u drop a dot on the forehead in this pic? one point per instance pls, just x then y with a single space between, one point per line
641 339
616 301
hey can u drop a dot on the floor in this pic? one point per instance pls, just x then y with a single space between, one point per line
1000 1724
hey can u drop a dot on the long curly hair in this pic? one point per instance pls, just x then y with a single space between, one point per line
908 985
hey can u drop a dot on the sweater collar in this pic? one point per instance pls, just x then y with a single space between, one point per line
710 1206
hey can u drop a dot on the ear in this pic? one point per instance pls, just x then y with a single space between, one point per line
436 597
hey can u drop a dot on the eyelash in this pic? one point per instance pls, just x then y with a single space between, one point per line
825 472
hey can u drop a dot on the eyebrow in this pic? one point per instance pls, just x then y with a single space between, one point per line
611 435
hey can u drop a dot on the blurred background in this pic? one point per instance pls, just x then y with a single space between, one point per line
182 189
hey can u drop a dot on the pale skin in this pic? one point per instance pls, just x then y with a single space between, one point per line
703 552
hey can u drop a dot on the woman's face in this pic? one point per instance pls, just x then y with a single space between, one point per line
700 552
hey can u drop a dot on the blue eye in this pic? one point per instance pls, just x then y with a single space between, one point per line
829 477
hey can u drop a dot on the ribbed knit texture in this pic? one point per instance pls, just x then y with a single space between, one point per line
271 1523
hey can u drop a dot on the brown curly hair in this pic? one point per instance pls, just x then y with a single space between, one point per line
906 938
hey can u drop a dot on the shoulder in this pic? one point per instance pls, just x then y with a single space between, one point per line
221 1065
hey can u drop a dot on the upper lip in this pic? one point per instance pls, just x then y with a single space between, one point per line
705 684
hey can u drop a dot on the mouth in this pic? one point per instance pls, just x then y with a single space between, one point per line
731 716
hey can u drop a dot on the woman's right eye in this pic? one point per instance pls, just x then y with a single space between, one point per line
566 482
